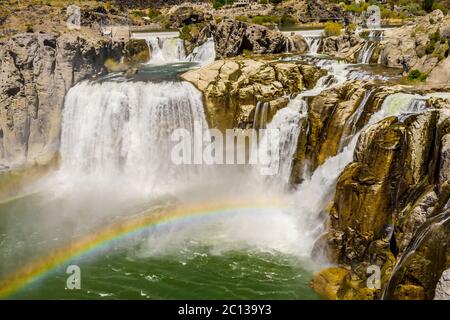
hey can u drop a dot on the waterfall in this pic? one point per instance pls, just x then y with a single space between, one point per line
353 120
204 54
366 52
122 129
315 192
313 43
260 117
290 122
166 50
167 47
422 234
376 35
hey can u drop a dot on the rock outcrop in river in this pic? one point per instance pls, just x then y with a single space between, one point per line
232 88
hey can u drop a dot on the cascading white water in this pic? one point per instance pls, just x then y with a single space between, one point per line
313 44
366 52
289 122
122 130
376 35
203 54
166 50
167 47
316 191
260 117
354 118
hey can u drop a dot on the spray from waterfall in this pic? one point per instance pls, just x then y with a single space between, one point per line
122 130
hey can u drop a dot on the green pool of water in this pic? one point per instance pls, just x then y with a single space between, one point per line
191 271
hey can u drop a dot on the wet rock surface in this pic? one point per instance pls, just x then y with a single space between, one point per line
232 88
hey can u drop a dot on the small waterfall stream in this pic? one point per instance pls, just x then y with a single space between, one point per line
260 117
313 44
169 48
366 52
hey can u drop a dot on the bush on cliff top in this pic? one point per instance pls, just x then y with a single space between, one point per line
415 74
264 20
332 29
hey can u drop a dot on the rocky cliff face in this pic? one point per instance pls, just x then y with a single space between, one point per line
233 38
390 209
232 88
345 46
36 71
422 45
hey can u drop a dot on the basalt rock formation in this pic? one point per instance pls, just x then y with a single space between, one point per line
36 71
233 38
232 88
186 15
390 209
345 46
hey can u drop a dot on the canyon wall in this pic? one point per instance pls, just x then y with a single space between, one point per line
36 71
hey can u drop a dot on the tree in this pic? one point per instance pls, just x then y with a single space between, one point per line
427 5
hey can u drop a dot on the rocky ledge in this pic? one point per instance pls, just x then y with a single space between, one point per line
232 88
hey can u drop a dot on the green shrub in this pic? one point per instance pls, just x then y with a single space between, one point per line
352 27
427 5
220 3
138 13
435 37
153 13
415 75
247 52
287 20
430 47
356 8
263 1
332 29
185 33
242 18
441 7
29 28
262 20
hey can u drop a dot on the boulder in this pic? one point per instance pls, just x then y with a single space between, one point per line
232 38
187 14
346 46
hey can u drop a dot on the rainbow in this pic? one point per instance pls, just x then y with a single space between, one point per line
118 231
